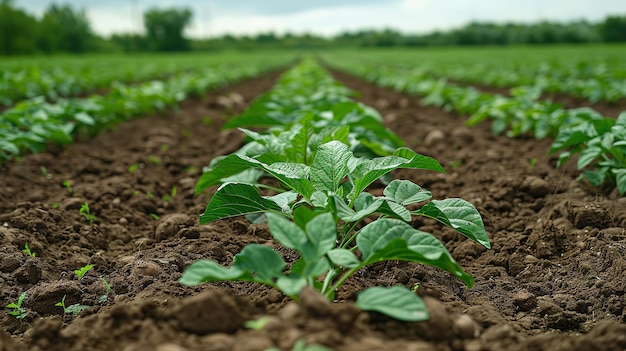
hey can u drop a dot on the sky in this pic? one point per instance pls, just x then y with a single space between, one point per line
327 17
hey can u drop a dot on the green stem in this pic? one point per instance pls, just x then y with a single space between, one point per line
344 242
329 278
278 190
343 278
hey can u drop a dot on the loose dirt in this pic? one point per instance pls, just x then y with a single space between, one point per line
552 281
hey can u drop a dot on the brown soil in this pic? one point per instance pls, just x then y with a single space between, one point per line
552 281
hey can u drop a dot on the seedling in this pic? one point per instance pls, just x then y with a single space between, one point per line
74 309
207 120
132 168
80 273
455 164
319 216
68 185
45 173
26 251
155 216
256 324
170 196
531 163
86 212
107 291
164 147
154 160
15 308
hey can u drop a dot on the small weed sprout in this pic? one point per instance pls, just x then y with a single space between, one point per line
80 273
455 164
531 163
68 185
154 160
74 309
133 168
155 216
170 196
107 291
16 309
45 173
86 212
256 324
26 251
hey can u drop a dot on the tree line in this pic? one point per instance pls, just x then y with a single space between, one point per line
63 28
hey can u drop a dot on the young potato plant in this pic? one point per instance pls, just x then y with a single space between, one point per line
319 213
600 144
15 308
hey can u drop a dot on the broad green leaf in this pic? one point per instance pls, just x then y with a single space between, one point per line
418 161
596 178
457 214
395 210
319 199
283 200
392 239
329 165
84 118
226 167
406 192
234 199
620 177
397 302
588 155
322 233
291 285
208 271
263 263
348 215
286 232
344 258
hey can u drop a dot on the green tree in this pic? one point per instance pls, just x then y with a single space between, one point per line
64 29
164 28
613 29
17 30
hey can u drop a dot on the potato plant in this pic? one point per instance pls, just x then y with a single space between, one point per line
319 206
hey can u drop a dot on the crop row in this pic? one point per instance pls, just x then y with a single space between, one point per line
599 141
306 175
31 124
67 77
594 81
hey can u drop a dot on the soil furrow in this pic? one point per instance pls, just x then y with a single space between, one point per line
555 268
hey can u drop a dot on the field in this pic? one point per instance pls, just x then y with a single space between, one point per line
105 177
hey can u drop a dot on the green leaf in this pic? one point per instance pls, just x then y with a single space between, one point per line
397 302
234 199
291 285
406 192
330 165
208 271
344 258
457 214
263 263
620 177
286 232
418 161
322 233
284 200
588 155
348 215
392 239
395 210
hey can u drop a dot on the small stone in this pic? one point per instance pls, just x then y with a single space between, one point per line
524 300
434 137
150 268
210 312
466 327
116 202
536 186
529 259
123 221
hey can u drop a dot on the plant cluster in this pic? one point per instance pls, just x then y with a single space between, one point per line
583 129
31 124
323 151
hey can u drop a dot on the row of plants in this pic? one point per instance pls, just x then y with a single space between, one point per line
307 176
599 141
66 76
600 78
31 124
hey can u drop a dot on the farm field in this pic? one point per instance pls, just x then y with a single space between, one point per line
552 280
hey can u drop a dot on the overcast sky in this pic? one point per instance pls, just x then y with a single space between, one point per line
327 17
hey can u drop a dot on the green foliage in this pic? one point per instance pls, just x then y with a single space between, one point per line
86 212
108 290
600 144
73 309
321 202
80 273
15 308
27 251
68 185
164 28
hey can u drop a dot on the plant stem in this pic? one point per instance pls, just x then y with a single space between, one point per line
270 188
342 280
